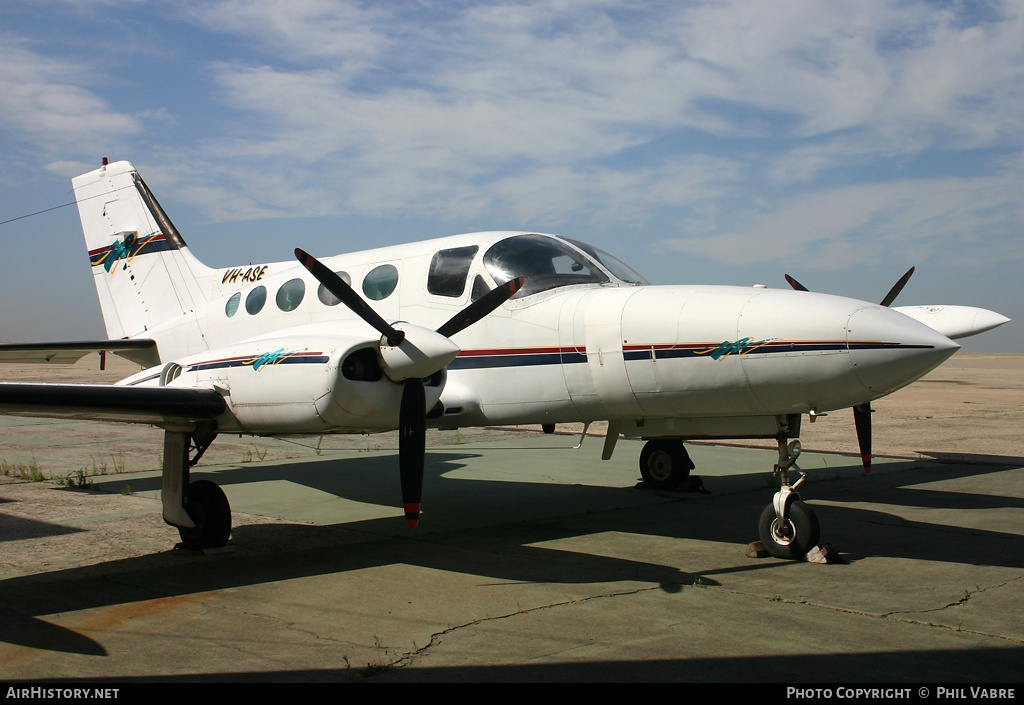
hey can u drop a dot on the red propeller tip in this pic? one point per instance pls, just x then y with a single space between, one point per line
866 459
412 515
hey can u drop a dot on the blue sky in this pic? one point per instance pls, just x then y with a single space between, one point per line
702 142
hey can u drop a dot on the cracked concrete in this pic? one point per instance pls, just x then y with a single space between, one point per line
533 562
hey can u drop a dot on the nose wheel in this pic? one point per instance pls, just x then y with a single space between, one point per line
793 535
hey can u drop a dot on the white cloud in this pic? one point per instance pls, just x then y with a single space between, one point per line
44 100
299 29
475 88
954 222
542 111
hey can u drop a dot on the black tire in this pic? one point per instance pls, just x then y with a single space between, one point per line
796 538
548 428
664 464
208 507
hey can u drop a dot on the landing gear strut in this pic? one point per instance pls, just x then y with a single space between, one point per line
788 528
199 510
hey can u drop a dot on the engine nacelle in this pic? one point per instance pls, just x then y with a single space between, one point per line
297 385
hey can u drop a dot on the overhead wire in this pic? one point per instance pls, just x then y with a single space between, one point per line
63 205
22 217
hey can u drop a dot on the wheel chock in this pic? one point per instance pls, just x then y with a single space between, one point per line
757 550
825 553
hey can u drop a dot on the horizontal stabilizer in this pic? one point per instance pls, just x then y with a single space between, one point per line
955 321
139 351
100 402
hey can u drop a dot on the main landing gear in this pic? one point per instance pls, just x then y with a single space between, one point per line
664 463
199 509
788 528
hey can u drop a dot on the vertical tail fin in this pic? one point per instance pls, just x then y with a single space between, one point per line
145 276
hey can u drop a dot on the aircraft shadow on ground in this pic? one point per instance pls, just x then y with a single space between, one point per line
503 545
14 528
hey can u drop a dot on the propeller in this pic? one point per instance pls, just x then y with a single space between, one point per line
862 420
410 353
337 286
887 301
795 284
862 412
897 288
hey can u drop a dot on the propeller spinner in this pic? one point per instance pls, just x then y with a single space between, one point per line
410 353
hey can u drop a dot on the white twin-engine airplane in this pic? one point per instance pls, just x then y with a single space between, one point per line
482 329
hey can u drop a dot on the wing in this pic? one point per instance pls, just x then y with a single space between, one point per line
141 351
99 402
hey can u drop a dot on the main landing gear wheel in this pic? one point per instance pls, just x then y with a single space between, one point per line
794 537
208 507
664 464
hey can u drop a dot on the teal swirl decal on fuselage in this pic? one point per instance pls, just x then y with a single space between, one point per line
270 358
727 348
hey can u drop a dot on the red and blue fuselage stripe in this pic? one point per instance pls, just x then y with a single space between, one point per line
526 357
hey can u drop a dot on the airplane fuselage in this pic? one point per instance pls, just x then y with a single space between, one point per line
578 344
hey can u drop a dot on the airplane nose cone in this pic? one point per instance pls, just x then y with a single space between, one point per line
987 320
889 350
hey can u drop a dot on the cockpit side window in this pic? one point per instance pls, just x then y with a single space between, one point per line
480 288
544 262
449 270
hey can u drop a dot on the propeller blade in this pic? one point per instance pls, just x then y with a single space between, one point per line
897 288
862 420
425 353
795 284
412 442
337 286
481 307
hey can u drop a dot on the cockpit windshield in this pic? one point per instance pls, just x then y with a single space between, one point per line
546 263
613 264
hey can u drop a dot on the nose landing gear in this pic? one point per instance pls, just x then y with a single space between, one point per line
788 528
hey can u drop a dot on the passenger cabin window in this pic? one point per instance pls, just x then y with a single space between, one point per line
289 296
326 297
544 263
255 300
449 270
380 282
231 307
